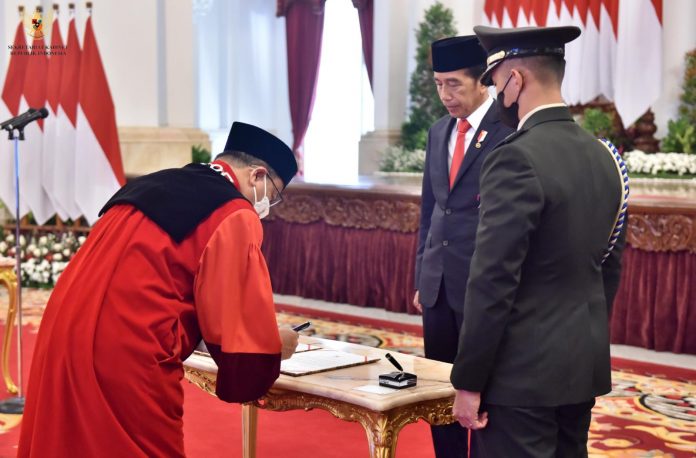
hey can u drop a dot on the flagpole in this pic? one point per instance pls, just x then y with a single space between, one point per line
18 262
15 405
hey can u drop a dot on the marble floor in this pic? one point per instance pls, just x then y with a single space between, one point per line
620 351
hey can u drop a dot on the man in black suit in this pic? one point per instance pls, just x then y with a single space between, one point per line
534 345
457 145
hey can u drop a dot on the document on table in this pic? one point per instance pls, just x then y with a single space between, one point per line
307 347
312 362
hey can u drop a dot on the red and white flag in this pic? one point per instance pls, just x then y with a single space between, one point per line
66 119
553 17
638 74
618 54
589 77
98 166
493 13
606 56
31 150
49 160
9 107
569 14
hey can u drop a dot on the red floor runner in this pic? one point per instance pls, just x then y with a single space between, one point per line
213 428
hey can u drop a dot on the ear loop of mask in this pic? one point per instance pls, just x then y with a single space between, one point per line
509 115
262 206
506 84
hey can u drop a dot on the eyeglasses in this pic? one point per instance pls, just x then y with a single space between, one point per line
278 196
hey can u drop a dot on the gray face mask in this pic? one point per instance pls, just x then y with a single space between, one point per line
508 115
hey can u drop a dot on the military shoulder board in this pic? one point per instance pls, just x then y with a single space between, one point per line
621 213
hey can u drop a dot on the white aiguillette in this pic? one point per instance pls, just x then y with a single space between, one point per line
398 379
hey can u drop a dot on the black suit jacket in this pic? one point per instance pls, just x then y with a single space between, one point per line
449 217
535 329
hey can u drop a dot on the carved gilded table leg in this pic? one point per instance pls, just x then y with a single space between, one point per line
382 428
9 279
249 420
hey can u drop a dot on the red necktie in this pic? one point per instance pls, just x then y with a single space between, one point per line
463 127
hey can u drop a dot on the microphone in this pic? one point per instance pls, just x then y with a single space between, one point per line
18 122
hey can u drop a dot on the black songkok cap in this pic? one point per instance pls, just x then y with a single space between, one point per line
455 53
501 44
263 145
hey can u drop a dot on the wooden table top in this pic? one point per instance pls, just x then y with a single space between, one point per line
433 377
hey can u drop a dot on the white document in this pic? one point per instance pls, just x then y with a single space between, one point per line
307 347
311 362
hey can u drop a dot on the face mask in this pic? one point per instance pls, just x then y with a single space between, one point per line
508 115
263 206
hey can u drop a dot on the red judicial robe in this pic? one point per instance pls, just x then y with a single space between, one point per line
107 368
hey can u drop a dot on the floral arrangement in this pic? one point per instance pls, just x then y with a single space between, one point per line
44 256
660 165
400 159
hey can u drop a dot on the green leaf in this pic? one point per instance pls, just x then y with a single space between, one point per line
200 154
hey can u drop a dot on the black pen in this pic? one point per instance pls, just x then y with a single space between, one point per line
301 327
396 364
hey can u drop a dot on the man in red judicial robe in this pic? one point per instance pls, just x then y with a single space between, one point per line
175 258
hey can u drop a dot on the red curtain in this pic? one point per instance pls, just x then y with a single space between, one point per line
341 264
655 306
304 25
366 15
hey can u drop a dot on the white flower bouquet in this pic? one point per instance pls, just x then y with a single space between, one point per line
44 256
398 159
660 164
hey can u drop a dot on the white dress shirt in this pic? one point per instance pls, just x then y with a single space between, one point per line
474 119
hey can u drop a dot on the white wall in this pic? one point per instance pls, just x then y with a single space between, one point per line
242 68
390 79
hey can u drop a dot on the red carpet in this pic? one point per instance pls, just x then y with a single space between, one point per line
650 413
213 428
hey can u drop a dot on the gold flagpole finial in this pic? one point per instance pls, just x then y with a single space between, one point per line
20 8
56 7
89 7
39 9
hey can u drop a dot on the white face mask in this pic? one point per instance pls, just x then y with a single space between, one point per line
263 206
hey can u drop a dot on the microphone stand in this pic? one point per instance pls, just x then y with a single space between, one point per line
15 405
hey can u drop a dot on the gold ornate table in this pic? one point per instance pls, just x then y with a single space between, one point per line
382 415
8 278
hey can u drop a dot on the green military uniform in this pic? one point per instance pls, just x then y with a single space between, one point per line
535 336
